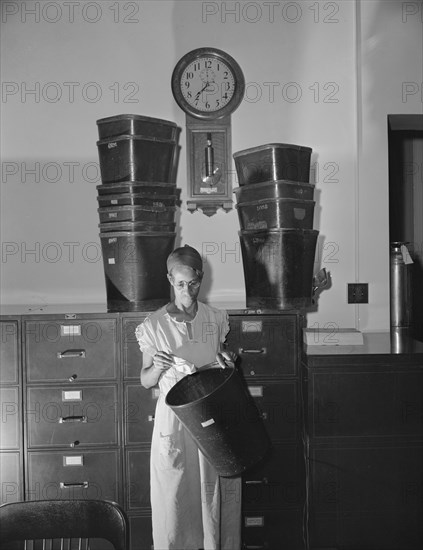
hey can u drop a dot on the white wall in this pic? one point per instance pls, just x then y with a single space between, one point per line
391 71
305 52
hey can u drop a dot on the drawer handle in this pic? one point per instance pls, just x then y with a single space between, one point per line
82 484
252 351
65 419
71 353
263 481
73 377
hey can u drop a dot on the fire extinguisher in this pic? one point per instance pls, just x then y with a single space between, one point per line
401 265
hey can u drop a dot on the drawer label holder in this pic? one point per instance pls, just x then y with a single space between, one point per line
71 395
70 330
256 391
73 460
255 521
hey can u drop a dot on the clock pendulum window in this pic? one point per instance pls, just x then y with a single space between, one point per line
208 85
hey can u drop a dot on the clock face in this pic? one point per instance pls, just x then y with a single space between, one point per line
208 83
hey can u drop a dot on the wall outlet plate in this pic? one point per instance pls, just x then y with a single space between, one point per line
358 293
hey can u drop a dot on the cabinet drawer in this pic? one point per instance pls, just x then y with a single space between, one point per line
9 352
73 474
140 407
277 482
279 407
71 417
10 418
369 530
272 529
132 355
266 344
371 478
138 479
10 475
70 350
366 403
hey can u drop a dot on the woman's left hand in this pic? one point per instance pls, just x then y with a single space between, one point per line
226 359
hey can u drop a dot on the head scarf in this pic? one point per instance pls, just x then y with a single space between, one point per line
185 256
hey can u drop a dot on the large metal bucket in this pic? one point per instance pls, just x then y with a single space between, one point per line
278 267
218 411
135 268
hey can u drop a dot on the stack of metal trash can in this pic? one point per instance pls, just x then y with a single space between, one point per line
275 205
137 206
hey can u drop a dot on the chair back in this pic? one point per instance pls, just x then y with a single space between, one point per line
49 520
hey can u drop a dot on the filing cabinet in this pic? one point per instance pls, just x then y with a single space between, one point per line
139 409
72 397
268 347
11 452
346 426
273 492
365 445
76 422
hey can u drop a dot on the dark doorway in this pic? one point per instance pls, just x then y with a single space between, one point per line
405 143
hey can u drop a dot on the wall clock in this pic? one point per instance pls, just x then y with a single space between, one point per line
208 85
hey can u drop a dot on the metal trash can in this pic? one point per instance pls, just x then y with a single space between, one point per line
278 267
135 267
218 411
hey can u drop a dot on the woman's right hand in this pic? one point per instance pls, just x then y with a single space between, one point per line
153 366
162 361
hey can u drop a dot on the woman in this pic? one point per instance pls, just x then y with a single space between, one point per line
192 507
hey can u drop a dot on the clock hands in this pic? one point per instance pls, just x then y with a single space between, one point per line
197 95
211 91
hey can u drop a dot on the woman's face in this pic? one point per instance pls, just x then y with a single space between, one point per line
186 285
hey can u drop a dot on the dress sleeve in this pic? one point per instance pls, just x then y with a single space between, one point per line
144 334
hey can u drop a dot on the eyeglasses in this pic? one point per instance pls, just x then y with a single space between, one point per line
192 285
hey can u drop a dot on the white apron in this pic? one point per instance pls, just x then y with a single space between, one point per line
192 507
